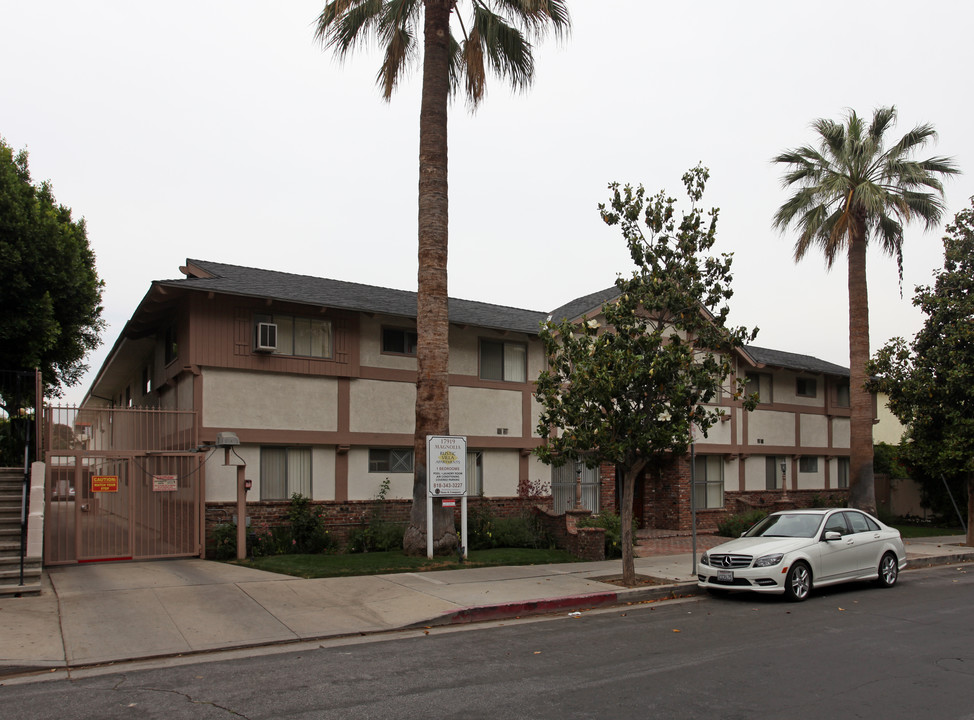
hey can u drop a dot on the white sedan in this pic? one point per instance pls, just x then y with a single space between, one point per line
792 551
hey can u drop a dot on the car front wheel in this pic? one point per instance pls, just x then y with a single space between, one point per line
798 582
889 570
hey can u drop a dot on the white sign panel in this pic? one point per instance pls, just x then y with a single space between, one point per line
446 465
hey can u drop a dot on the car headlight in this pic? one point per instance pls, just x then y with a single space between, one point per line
704 560
768 560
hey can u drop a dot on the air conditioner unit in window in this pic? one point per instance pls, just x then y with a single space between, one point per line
266 337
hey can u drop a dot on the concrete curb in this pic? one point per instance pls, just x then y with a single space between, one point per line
503 611
918 562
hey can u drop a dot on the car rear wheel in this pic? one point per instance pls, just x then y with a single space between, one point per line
889 570
798 582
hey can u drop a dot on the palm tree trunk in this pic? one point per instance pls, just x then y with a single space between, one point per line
862 487
432 320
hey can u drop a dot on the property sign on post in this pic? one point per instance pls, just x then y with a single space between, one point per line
446 463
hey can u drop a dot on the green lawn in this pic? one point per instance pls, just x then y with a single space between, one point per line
395 561
922 531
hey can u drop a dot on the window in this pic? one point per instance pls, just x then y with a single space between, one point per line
391 460
170 348
759 383
565 486
843 473
808 464
708 482
147 380
858 522
302 336
842 393
398 341
806 387
284 471
775 472
475 472
503 361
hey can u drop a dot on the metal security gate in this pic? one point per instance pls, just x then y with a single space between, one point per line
565 487
109 504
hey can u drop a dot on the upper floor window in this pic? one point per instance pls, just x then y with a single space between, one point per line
302 336
170 348
759 383
399 341
842 393
503 361
806 387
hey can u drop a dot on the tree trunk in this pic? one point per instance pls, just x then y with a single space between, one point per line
629 476
432 320
862 489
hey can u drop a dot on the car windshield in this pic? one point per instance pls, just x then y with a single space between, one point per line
786 525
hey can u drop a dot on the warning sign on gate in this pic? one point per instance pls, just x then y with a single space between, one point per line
104 483
164 483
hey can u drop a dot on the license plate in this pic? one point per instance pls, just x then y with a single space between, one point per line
725 576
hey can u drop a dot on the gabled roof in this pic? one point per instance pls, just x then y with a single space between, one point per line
253 282
591 303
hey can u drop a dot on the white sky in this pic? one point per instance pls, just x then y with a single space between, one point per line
220 130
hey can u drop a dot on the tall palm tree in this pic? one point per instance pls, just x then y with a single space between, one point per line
851 189
497 37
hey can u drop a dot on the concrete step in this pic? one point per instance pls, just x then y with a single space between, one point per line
27 589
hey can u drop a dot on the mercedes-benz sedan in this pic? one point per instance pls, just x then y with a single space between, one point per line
793 551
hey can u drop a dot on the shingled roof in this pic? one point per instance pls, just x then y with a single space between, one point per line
253 282
794 361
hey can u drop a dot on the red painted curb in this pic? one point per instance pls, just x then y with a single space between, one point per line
531 607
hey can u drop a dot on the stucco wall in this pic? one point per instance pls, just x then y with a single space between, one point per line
840 432
481 411
814 430
382 407
221 480
271 401
774 428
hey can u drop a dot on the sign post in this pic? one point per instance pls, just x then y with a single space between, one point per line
446 477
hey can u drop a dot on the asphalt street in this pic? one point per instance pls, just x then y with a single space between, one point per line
848 652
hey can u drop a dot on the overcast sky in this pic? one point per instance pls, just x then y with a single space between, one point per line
219 130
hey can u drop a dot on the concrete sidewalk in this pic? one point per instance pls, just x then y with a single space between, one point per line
112 612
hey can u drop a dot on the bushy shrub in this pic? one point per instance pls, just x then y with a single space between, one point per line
826 501
485 531
307 527
612 524
225 541
734 525
376 536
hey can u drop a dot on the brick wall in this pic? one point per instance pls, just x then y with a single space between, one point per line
341 518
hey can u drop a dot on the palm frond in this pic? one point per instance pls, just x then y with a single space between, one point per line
344 24
506 49
537 16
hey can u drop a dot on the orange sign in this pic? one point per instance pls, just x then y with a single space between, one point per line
104 483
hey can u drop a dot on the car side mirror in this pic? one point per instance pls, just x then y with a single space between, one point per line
832 535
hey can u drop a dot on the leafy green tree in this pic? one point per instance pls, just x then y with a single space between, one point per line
930 381
627 388
49 288
497 37
850 189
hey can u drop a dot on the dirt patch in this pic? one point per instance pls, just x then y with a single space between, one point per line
641 580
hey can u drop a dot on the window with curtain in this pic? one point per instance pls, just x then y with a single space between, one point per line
475 472
284 471
708 482
759 383
302 336
505 361
843 479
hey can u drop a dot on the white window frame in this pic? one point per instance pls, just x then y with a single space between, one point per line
287 336
391 460
513 360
